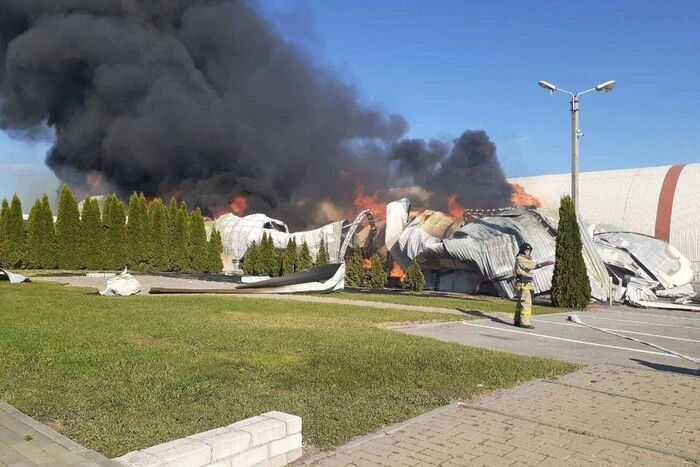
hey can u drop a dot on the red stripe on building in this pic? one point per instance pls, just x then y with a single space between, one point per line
665 208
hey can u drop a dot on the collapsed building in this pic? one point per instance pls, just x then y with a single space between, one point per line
477 253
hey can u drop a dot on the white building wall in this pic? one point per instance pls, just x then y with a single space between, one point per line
630 199
685 219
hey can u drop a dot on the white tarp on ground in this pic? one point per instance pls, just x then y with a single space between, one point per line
238 233
335 283
122 285
14 278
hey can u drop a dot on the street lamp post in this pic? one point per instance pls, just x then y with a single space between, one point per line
575 131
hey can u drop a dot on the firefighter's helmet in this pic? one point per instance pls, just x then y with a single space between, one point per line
524 247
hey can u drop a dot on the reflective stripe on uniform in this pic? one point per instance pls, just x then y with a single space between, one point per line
521 286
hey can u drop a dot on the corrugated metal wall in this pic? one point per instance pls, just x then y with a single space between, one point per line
630 199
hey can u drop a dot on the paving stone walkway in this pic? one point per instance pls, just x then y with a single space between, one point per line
24 442
601 415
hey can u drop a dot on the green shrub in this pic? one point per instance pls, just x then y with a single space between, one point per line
355 272
414 279
68 230
322 256
304 260
377 276
571 287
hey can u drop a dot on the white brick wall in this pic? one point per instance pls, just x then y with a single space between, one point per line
272 439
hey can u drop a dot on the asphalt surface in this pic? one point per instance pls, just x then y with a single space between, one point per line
556 337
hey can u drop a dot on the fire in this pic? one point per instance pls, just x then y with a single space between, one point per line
520 197
375 205
94 180
367 264
453 207
397 272
239 205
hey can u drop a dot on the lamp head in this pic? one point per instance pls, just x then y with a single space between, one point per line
606 86
548 86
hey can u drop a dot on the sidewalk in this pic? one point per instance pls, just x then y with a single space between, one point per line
601 415
25 442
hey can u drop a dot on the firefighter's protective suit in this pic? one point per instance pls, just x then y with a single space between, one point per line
524 267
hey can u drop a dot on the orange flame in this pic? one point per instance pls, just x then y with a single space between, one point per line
239 205
520 197
453 207
94 179
397 272
375 205
367 264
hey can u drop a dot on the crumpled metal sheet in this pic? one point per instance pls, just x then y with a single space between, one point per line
238 233
14 278
660 261
488 246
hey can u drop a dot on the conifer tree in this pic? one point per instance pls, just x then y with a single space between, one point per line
355 272
34 236
4 209
414 280
49 228
322 256
135 232
172 215
197 242
215 248
289 258
114 220
276 263
68 230
159 236
41 236
304 261
250 261
266 255
571 287
92 240
15 235
180 261
377 276
295 253
144 213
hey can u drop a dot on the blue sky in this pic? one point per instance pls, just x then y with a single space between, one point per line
452 65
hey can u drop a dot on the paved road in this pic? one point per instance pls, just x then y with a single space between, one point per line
602 415
636 405
555 337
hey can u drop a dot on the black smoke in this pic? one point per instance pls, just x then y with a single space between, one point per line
469 168
205 99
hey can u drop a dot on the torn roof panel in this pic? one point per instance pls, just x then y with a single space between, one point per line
660 260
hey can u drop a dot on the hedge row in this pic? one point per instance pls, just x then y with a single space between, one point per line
156 237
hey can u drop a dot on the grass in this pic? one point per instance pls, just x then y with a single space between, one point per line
119 374
436 300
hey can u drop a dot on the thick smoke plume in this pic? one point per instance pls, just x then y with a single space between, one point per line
205 100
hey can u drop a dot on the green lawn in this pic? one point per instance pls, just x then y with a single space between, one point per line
123 373
483 304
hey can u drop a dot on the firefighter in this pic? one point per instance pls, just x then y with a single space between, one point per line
524 267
